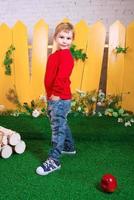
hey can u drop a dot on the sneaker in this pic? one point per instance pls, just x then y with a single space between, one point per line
47 167
68 152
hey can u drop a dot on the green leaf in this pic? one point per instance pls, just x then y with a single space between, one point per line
78 53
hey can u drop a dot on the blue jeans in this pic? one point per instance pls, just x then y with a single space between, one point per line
61 134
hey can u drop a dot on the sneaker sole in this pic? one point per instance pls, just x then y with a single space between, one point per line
46 173
69 153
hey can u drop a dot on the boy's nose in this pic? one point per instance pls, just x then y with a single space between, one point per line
65 41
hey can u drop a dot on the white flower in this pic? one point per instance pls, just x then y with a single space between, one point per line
35 113
109 111
121 111
93 113
132 120
120 120
79 109
73 103
43 98
99 114
127 124
93 99
15 114
99 103
101 94
82 93
115 114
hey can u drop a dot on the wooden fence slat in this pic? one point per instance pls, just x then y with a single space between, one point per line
128 79
95 49
81 34
115 68
22 78
39 58
6 81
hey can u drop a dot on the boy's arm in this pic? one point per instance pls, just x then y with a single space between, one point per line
51 70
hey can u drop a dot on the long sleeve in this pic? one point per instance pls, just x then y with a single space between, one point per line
64 72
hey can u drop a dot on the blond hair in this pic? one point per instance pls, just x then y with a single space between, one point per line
64 26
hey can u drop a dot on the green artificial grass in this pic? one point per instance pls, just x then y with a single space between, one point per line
103 146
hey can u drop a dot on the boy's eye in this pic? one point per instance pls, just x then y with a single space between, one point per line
68 38
61 37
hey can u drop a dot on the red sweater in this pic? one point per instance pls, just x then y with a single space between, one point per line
57 77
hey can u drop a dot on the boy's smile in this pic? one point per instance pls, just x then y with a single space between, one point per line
64 39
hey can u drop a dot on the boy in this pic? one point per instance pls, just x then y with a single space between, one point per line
57 84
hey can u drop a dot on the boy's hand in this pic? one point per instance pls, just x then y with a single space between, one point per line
54 98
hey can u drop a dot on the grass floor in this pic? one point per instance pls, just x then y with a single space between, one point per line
103 146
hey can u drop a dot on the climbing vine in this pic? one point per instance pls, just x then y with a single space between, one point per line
78 53
8 60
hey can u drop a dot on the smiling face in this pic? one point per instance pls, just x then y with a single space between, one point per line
64 39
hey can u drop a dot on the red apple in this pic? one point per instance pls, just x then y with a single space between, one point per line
108 183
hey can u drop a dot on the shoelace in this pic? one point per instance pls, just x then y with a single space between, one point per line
49 163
